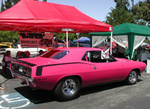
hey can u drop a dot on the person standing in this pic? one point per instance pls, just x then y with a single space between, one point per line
6 59
66 43
107 44
55 42
144 56
41 52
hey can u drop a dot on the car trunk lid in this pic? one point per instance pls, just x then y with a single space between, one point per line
35 61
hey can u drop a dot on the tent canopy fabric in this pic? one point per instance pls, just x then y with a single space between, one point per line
37 16
125 29
132 31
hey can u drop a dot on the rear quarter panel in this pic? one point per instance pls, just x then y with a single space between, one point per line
52 74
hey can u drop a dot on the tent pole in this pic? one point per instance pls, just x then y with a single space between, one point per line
111 43
67 38
78 42
78 39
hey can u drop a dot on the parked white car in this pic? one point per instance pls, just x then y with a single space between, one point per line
33 51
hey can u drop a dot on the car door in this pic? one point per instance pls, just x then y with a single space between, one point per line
105 70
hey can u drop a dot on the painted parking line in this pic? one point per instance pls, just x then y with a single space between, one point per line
14 101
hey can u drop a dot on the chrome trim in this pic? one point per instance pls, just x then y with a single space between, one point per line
27 79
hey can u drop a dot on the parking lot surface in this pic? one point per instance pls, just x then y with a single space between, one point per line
109 96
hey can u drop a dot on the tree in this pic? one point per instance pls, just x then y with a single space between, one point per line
2 6
121 14
127 11
8 36
71 36
141 11
9 3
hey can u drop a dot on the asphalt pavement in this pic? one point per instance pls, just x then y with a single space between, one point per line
111 96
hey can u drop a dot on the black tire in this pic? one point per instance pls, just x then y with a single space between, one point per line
132 77
67 89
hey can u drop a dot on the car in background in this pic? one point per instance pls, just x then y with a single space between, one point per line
33 51
3 48
84 44
10 44
66 70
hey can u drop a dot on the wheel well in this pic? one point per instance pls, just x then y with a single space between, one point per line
74 76
137 70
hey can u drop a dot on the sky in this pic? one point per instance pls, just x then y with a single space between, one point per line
97 9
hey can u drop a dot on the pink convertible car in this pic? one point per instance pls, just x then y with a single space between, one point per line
66 70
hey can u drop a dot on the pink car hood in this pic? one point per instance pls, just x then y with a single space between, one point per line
40 61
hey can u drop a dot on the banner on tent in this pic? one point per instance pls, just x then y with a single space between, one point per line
28 39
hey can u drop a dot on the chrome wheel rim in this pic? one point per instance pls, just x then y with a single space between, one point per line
69 87
133 77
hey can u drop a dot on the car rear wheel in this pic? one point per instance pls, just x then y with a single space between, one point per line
67 88
132 77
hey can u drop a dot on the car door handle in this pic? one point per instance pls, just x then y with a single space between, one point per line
95 67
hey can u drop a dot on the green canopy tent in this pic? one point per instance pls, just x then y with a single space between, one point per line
132 33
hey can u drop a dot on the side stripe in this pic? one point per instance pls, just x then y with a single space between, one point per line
39 68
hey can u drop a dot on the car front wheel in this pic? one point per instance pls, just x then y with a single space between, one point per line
67 88
132 77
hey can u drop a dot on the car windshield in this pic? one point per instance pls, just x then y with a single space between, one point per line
55 54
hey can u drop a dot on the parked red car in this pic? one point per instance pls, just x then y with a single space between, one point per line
66 70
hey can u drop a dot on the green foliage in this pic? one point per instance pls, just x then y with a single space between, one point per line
141 12
125 12
71 36
121 14
2 6
8 4
8 36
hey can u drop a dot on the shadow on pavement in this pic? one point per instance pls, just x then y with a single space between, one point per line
99 88
43 96
36 96
6 74
103 87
